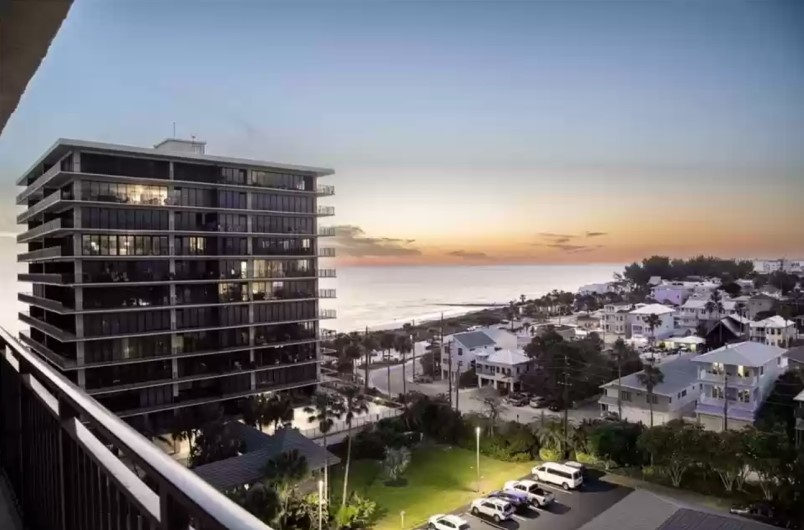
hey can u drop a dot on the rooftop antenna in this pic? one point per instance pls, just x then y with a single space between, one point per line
174 129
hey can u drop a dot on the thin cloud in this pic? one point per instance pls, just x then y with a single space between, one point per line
352 241
574 249
596 234
465 254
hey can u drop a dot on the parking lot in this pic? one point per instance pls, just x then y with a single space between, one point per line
571 509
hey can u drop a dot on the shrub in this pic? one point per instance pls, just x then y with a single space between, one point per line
549 455
468 379
588 459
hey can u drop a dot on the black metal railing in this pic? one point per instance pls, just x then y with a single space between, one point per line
72 464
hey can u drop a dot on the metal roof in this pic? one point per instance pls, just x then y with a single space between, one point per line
796 354
754 354
474 339
260 449
643 510
678 374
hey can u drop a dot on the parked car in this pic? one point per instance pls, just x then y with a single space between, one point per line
554 407
447 522
538 402
518 500
536 495
609 415
762 512
497 509
559 474
516 399
423 379
580 467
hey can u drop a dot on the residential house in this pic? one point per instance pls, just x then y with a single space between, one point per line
731 328
799 412
774 330
464 348
673 398
795 357
735 380
694 311
597 288
641 331
503 369
746 286
755 304
675 293
615 319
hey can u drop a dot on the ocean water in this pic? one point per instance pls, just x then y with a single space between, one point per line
383 297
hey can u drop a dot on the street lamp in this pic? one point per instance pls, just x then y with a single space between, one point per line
477 436
320 504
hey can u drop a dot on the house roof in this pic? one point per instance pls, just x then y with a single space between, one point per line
260 449
643 510
796 354
507 357
652 309
678 374
754 354
773 322
474 339
694 303
799 397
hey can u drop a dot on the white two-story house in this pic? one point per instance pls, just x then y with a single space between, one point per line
673 398
464 349
774 330
503 369
735 380
641 331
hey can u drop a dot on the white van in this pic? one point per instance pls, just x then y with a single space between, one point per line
552 473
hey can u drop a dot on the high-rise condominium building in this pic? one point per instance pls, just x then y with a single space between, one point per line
166 278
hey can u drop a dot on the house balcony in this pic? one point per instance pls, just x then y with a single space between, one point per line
326 252
48 278
326 314
326 231
734 379
88 482
46 303
325 211
325 190
47 328
326 293
326 273
737 410
54 202
43 254
49 228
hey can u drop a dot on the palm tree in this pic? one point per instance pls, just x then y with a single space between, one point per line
403 345
386 345
324 410
551 434
653 321
650 377
408 329
512 312
278 410
354 403
282 474
741 309
715 303
341 342
255 410
369 344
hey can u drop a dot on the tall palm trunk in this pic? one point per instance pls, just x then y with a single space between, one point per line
326 469
404 383
650 405
348 461
388 369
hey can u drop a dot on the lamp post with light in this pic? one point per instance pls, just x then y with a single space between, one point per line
477 464
320 504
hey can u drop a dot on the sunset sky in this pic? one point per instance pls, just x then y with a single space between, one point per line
464 131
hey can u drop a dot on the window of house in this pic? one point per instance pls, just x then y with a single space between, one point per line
653 399
625 396
744 396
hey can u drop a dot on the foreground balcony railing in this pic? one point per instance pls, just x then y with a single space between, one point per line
71 463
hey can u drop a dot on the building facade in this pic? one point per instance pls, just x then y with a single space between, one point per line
735 380
502 369
166 278
615 319
775 331
464 348
639 318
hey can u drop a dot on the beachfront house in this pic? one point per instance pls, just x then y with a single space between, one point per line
735 380
673 398
502 369
731 328
675 293
464 348
642 332
774 330
615 320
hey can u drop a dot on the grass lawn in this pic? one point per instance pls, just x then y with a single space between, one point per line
439 480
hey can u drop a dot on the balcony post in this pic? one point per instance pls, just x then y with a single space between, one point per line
66 467
173 515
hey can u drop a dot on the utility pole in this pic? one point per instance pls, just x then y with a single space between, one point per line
725 398
619 386
566 404
457 386
413 345
449 360
368 356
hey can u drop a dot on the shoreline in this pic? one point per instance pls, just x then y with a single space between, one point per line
425 322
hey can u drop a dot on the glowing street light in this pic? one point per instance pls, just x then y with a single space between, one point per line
477 465
320 504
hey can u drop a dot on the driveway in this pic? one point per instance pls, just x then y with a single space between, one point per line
571 510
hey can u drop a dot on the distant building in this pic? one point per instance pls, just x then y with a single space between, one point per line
769 266
502 369
675 293
775 331
743 374
731 328
615 319
638 318
673 398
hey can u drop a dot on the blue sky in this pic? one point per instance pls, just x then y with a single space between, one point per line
463 125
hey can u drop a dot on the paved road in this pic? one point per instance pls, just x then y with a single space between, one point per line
571 510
